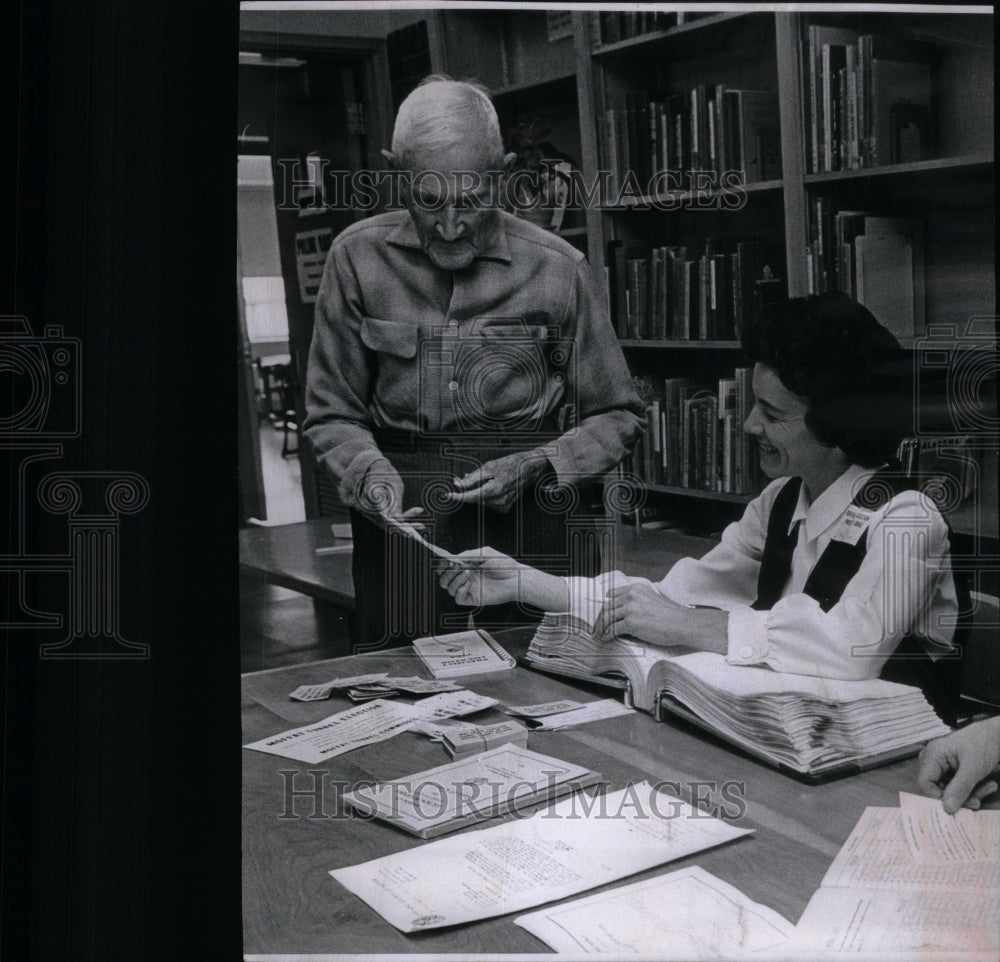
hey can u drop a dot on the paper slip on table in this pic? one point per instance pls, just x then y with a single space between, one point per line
291 905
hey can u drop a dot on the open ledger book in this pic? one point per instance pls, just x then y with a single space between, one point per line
811 728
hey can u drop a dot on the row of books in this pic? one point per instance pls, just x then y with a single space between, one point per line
708 128
868 99
609 26
876 260
677 292
694 435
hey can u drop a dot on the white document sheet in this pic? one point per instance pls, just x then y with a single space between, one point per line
870 922
877 855
374 721
688 914
592 711
574 845
937 838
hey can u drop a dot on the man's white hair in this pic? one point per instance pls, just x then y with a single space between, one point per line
441 112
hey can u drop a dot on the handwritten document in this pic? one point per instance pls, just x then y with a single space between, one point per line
877 897
574 845
688 914
366 724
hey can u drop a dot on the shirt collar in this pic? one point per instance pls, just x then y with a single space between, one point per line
498 248
831 504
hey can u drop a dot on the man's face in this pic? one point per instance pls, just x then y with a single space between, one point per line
452 201
787 447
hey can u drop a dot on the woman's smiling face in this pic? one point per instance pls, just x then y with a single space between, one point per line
777 421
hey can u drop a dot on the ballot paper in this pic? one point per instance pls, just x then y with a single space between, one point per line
688 914
937 838
878 898
543 708
371 686
590 712
574 845
366 724
481 738
326 688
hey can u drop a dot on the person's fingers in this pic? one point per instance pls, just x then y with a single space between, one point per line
412 512
958 790
933 768
490 489
471 480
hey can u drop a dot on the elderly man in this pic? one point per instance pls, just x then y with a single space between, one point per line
463 372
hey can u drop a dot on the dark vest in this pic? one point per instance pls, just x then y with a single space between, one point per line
940 680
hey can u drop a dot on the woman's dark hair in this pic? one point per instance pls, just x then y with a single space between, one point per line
850 371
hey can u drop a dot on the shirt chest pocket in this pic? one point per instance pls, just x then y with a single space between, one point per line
389 337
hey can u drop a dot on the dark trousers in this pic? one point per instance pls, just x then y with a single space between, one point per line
397 593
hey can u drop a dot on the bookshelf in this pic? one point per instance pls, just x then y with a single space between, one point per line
936 178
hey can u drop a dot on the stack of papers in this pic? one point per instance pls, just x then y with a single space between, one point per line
470 739
806 723
449 797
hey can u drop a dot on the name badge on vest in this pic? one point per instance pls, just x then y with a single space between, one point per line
852 525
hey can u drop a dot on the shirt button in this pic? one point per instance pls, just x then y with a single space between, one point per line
452 324
746 652
453 385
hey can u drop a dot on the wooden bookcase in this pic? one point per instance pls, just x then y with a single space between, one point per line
948 191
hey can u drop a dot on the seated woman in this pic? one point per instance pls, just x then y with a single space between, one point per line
840 562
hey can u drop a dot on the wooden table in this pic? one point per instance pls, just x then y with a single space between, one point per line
291 904
285 555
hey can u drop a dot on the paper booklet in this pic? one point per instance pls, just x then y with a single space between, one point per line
811 728
462 653
474 788
897 892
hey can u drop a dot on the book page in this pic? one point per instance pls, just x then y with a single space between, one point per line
876 855
688 914
574 845
937 838
869 922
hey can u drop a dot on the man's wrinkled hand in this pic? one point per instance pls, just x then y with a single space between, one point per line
498 484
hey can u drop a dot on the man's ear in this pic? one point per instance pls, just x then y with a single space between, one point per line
391 159
508 161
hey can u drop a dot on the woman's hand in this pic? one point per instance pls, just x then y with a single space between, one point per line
487 577
641 612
